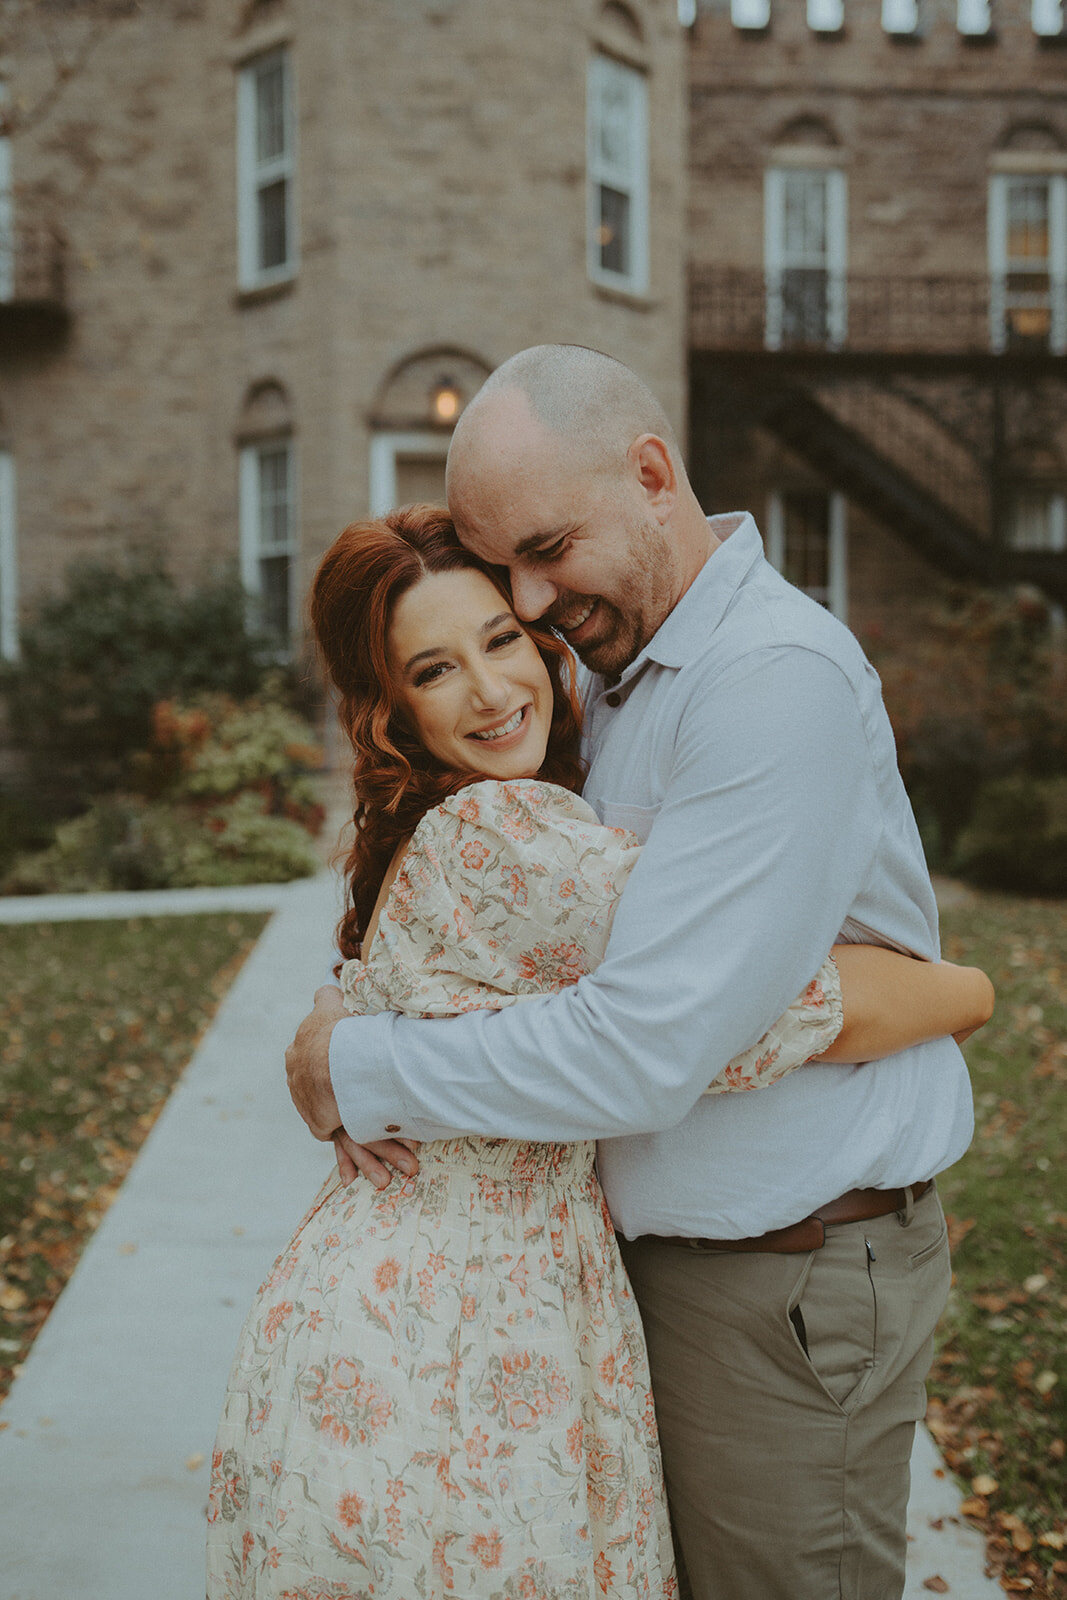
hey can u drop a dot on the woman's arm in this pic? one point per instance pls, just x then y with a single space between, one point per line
892 1001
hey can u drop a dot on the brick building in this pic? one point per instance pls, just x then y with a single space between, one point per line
255 254
878 308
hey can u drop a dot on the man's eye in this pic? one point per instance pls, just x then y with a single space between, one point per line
549 552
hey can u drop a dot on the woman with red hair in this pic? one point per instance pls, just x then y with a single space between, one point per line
442 1389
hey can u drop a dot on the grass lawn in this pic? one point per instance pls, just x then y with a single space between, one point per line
999 1385
97 1020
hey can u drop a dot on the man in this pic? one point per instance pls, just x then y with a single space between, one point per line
787 1248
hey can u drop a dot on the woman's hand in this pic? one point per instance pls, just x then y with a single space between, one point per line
375 1161
892 1002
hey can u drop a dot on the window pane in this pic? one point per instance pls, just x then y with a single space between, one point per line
273 228
613 234
900 16
750 13
805 307
274 518
270 111
1047 17
826 16
274 596
972 16
805 218
1028 221
807 543
615 132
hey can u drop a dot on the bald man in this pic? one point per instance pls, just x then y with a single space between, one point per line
787 1248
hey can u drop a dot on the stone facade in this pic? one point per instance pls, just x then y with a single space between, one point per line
439 173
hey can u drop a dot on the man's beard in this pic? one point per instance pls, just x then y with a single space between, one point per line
648 578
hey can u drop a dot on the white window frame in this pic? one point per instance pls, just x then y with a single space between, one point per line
837 547
254 175
1046 18
629 178
900 17
7 213
1000 265
385 448
826 16
9 566
754 15
1056 512
252 550
836 259
974 18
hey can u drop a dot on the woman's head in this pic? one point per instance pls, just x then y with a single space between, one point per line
420 641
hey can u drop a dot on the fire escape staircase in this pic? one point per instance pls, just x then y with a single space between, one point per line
939 503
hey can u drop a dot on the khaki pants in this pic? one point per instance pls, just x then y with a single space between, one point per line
787 1390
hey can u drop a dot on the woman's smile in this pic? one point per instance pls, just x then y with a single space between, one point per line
469 677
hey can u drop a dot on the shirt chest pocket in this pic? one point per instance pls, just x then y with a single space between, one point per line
638 819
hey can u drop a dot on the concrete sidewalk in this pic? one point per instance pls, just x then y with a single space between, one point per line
104 1459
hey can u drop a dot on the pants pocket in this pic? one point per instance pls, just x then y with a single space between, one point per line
834 1313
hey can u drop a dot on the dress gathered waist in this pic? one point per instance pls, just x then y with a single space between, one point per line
517 1163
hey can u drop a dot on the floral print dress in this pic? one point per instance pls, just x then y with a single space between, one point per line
442 1389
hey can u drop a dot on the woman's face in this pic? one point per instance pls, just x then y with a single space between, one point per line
470 679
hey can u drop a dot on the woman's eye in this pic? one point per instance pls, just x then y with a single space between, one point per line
429 674
502 639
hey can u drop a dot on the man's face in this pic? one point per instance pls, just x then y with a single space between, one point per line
583 550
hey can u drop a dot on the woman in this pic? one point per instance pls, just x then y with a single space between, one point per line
442 1388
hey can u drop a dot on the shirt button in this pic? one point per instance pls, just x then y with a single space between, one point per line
613 699
392 1127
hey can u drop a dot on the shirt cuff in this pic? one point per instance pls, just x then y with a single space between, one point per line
368 1099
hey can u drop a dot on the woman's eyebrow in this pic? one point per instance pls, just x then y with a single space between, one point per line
441 650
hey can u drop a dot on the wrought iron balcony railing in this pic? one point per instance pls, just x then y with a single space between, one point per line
32 267
733 309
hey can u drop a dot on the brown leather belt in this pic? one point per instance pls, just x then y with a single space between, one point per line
858 1205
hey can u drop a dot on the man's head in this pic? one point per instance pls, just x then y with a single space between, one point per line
565 469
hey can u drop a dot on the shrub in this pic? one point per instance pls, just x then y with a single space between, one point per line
978 695
98 658
127 842
1017 837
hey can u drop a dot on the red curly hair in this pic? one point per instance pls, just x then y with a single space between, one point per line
396 780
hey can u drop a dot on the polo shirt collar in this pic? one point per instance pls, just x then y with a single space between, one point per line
683 633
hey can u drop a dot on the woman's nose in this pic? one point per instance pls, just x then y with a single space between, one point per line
489 686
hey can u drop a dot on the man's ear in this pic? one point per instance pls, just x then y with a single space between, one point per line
651 462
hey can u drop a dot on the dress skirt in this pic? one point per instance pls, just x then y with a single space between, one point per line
442 1390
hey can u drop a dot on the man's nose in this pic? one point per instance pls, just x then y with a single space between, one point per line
531 594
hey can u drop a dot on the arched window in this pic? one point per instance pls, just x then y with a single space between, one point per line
806 239
1028 241
269 540
411 423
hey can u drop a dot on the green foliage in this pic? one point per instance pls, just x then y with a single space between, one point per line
127 842
98 658
226 798
978 696
1017 836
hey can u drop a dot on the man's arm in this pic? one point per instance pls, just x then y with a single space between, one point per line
767 831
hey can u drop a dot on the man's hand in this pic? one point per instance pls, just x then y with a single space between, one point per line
307 1064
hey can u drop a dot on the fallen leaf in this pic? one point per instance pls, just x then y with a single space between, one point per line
984 1484
1017 1585
974 1507
937 1584
1022 1539
1035 1282
1045 1381
12 1298
1052 1540
195 1461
